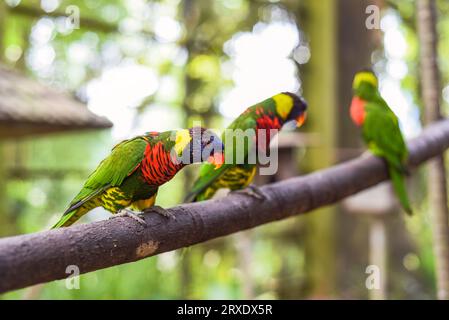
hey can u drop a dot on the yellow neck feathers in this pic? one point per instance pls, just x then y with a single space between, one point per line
182 139
284 104
365 77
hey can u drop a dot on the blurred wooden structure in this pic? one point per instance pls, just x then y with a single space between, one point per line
27 107
377 203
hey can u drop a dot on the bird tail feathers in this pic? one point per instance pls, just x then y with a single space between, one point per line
399 186
69 218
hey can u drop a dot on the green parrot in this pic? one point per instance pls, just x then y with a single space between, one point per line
131 175
267 116
381 131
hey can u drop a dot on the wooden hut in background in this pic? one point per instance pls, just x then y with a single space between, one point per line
30 109
27 107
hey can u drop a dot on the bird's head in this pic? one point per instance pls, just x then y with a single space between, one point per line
364 80
365 86
198 144
290 107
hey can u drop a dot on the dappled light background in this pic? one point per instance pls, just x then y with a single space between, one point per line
159 65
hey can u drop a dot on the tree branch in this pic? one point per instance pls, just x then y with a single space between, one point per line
30 259
90 23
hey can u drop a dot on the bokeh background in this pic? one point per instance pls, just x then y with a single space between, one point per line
158 65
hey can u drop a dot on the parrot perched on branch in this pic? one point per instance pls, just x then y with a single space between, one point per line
131 175
381 131
270 114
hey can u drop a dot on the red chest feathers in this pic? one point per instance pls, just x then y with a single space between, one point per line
267 127
157 166
357 110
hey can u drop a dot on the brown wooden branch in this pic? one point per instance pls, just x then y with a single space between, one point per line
89 23
41 257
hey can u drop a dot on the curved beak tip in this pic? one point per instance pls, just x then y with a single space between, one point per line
217 160
301 119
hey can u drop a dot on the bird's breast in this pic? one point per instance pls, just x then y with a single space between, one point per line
157 166
267 128
357 110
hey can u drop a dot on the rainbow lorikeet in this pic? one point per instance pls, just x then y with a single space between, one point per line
381 131
269 115
131 175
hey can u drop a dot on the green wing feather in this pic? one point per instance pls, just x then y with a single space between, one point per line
208 173
111 172
399 185
383 135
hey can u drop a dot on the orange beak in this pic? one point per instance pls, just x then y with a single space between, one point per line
301 119
217 160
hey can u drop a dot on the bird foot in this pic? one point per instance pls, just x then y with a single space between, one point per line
163 212
252 191
131 214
